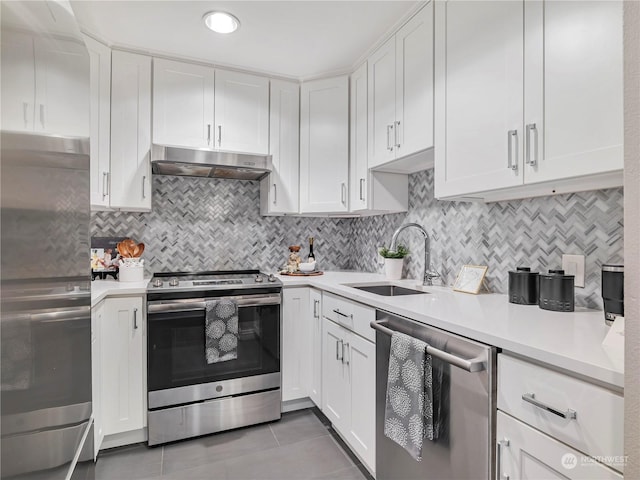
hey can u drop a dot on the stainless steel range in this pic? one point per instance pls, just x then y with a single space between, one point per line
191 394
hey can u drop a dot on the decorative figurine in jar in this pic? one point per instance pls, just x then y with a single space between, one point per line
294 259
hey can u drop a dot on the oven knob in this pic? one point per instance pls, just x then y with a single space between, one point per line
158 283
272 278
174 282
259 279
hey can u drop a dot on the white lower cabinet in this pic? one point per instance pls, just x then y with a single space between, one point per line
348 388
121 375
295 355
525 453
315 385
97 315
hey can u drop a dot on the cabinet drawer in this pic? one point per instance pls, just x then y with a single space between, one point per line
597 428
352 315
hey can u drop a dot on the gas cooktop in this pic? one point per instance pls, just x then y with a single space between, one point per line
163 281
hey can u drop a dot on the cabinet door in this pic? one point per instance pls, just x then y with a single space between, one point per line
362 382
62 88
532 455
97 318
382 103
122 360
324 145
479 96
315 307
130 131
241 112
295 343
18 81
100 86
358 141
335 385
414 84
279 190
573 89
182 104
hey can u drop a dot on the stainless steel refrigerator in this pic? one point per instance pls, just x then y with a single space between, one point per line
45 316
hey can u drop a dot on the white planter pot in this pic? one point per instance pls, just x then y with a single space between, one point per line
393 268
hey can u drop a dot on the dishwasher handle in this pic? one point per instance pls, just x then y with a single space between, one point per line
473 365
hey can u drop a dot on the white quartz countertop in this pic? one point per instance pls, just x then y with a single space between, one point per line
571 341
100 289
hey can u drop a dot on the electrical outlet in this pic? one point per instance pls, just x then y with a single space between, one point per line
574 265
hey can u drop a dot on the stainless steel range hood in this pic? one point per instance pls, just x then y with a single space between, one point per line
203 162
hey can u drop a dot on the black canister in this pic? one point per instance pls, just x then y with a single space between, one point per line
524 286
557 291
613 292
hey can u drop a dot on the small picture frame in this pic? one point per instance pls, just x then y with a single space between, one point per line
470 279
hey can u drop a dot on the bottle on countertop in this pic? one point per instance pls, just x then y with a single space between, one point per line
312 257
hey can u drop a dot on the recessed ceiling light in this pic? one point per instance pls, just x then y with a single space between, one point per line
221 22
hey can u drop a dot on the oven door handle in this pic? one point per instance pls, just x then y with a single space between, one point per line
199 303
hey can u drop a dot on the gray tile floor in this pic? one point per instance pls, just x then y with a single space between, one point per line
300 446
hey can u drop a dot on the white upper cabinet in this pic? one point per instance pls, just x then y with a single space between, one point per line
479 65
130 131
401 96
100 148
242 112
183 104
370 192
279 190
324 145
527 92
573 110
45 85
199 106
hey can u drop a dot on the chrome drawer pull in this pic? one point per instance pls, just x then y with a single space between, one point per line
335 310
531 398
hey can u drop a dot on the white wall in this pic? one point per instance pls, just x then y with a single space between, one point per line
632 235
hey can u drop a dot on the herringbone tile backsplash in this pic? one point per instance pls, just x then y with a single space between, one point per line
533 232
213 224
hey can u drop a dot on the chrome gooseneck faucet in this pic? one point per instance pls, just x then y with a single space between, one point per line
429 275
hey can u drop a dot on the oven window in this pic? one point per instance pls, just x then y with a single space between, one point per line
176 348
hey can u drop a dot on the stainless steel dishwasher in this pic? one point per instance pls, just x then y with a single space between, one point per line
465 449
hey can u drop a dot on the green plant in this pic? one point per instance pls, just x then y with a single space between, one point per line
401 252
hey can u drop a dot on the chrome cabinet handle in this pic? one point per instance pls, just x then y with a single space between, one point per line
362 189
340 349
42 114
531 145
135 318
531 398
501 443
389 146
105 184
208 134
219 135
396 134
144 181
275 193
335 310
25 107
316 303
345 360
343 193
511 164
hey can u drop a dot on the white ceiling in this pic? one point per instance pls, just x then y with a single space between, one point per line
299 39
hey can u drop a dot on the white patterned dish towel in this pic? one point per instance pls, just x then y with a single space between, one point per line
221 330
409 411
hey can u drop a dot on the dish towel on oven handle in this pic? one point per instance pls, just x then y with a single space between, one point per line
221 330
416 401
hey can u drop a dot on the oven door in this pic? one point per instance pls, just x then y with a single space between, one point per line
178 371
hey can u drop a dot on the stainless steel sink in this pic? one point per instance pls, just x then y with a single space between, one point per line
388 290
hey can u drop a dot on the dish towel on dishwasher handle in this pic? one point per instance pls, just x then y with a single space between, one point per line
414 401
221 330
